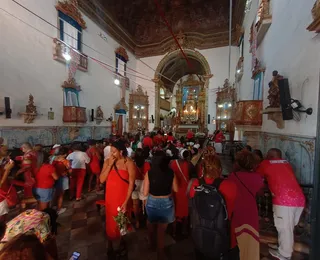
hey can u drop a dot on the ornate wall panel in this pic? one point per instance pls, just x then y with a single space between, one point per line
15 137
299 151
248 112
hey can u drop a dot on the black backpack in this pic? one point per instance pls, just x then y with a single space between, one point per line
209 221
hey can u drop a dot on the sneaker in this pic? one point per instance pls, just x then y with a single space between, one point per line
61 211
273 246
277 255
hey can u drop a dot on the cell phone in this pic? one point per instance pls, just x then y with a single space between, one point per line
75 256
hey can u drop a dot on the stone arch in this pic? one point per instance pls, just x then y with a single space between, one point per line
193 54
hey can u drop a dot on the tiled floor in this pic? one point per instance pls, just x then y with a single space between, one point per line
82 230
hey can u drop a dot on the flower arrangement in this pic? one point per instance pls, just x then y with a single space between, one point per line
122 221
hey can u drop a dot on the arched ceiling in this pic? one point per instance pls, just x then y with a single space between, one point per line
137 25
178 67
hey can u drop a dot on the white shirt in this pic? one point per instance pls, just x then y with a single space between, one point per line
106 152
78 160
129 150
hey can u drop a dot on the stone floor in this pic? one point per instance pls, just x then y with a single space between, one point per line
82 230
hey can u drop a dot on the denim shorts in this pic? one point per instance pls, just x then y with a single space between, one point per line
160 210
62 183
43 195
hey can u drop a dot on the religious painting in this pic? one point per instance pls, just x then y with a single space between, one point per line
190 93
258 86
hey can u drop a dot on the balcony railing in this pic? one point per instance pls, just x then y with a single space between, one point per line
74 114
60 47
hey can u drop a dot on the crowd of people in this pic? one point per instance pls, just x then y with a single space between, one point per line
168 180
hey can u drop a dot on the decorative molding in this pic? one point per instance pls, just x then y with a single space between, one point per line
70 8
315 25
264 20
121 105
122 52
71 83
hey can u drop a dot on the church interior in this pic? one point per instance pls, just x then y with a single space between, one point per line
79 70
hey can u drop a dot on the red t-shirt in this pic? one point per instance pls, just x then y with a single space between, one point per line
44 179
228 190
147 141
282 182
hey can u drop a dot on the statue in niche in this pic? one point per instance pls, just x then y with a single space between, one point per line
31 108
274 92
99 112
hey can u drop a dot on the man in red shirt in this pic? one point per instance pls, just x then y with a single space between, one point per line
147 141
287 199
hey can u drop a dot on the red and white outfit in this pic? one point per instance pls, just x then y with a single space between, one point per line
78 161
288 200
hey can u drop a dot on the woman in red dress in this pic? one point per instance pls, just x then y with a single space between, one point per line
181 170
94 165
119 173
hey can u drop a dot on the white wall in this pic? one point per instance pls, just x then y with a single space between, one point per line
27 66
218 59
294 52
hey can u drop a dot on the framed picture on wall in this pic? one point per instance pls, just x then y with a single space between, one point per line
258 87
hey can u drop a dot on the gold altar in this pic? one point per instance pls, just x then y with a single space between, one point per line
191 104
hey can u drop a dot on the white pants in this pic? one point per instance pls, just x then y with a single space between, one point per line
218 147
285 219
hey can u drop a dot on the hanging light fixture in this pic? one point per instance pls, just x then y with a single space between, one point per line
117 82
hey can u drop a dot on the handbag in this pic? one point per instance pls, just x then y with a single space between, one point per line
10 196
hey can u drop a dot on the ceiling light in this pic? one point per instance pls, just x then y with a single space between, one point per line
117 82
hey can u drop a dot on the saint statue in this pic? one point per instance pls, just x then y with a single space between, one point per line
274 92
99 113
31 108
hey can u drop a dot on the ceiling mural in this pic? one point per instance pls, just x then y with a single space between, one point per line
138 25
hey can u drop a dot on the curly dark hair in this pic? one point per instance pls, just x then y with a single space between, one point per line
245 160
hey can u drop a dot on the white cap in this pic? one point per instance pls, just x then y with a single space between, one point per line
56 146
197 146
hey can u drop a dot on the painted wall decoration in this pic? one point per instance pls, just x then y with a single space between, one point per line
15 137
